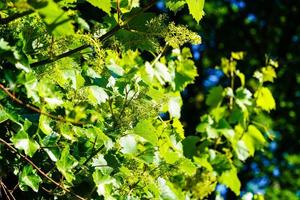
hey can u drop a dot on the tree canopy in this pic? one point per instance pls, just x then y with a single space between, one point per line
91 96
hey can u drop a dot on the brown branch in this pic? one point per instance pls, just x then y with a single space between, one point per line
7 191
15 16
39 170
102 38
37 110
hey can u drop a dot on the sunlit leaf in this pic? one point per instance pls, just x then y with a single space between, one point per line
196 8
231 180
22 141
29 177
264 99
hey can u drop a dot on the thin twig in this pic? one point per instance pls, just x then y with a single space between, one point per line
39 170
35 109
159 55
231 84
6 191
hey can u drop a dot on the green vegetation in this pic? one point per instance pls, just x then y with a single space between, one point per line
82 98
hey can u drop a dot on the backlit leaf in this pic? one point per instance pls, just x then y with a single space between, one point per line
104 5
231 180
264 99
22 141
196 8
29 177
146 130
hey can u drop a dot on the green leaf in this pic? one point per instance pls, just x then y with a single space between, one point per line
104 5
215 96
96 95
44 124
4 45
264 99
202 162
189 146
257 137
243 98
146 130
185 73
22 141
218 113
51 141
237 55
66 163
29 177
268 74
241 76
251 141
168 190
196 9
174 105
104 183
3 115
170 156
231 180
56 19
187 166
128 144
242 150
175 5
177 125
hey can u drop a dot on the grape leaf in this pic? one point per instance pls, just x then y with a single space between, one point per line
231 180
264 99
56 19
22 141
215 96
96 94
175 5
66 163
3 115
104 5
29 177
146 130
196 9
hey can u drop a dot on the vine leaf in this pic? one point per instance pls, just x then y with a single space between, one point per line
146 130
264 99
104 182
97 95
128 144
3 115
29 177
56 19
231 180
66 163
175 5
215 96
104 5
22 142
196 9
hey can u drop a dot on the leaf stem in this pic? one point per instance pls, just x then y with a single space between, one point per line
231 84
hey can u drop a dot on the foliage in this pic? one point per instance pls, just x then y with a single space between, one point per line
82 99
264 29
